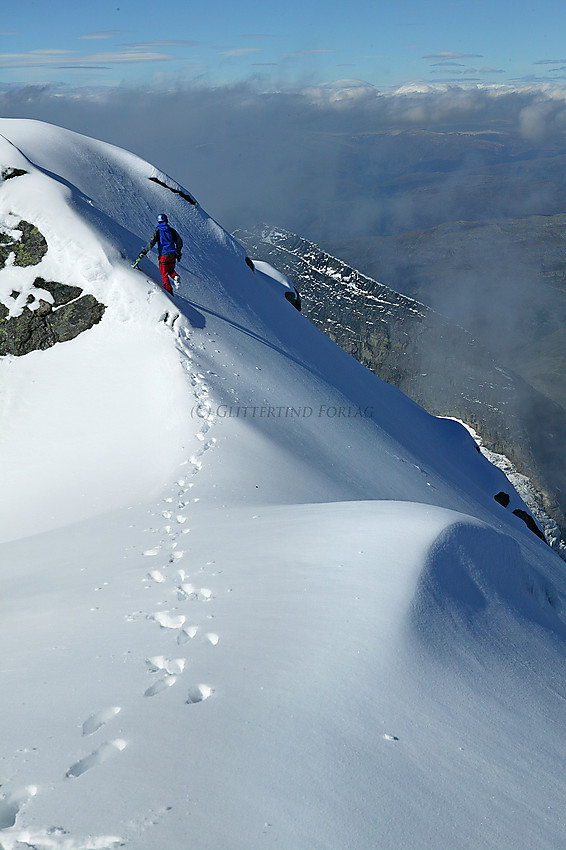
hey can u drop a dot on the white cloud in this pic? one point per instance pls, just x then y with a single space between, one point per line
62 59
542 118
51 51
103 34
450 55
290 170
150 45
314 50
239 51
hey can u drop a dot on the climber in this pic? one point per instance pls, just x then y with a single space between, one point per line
169 244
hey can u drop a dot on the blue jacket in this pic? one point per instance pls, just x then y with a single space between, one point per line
168 240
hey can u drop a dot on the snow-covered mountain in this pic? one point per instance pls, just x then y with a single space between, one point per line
434 361
251 596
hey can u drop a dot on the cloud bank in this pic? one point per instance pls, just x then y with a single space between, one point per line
342 159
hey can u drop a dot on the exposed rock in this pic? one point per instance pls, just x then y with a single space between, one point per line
294 298
502 498
9 173
36 330
24 333
530 523
62 293
184 195
29 249
69 321
41 323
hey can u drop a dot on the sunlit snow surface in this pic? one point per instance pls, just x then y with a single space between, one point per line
251 596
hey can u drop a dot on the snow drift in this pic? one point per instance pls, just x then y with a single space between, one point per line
251 595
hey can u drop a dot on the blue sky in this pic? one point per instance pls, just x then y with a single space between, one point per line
300 41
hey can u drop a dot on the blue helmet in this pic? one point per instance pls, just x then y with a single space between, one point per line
162 218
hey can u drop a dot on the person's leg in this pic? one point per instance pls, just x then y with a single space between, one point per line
165 269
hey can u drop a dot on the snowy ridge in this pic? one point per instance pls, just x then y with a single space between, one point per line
251 595
438 364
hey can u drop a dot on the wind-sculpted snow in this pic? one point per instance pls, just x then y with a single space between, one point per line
234 612
474 575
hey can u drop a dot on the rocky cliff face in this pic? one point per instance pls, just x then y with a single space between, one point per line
52 312
432 360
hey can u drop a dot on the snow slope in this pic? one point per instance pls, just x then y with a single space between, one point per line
250 596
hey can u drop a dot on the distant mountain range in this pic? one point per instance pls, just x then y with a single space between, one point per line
428 356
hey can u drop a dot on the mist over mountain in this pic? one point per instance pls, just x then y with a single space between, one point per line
503 280
437 190
341 160
429 357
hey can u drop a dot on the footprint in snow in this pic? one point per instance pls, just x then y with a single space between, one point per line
169 318
186 591
100 719
187 634
99 756
160 685
198 694
155 575
167 620
159 663
11 805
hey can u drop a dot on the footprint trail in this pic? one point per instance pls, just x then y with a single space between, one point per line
182 586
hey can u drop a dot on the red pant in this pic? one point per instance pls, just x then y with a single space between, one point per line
167 267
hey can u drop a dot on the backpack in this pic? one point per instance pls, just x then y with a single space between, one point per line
166 240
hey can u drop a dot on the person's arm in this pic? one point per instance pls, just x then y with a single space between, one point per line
150 244
178 243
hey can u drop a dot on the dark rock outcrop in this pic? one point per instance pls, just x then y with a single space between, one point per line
69 321
40 328
42 322
62 293
9 173
184 195
29 248
503 499
294 298
530 523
